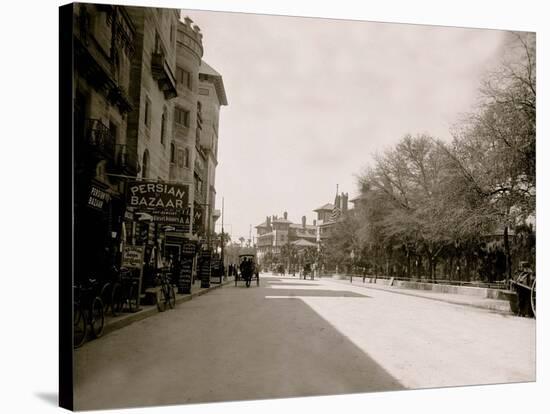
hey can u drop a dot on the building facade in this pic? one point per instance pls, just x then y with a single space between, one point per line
276 234
104 44
138 117
211 96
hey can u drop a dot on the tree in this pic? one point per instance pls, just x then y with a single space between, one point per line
494 146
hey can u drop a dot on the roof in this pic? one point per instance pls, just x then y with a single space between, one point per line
299 226
327 206
206 69
264 224
282 220
303 243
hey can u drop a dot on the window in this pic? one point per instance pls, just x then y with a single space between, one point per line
183 77
145 165
172 153
180 158
186 158
172 33
147 114
181 116
163 126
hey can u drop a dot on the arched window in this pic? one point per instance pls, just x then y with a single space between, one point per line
145 165
172 153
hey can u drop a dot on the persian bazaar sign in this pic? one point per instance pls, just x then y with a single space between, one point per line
157 196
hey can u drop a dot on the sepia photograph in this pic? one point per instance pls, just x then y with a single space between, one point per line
268 206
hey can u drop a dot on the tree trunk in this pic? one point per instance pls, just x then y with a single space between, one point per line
508 255
408 264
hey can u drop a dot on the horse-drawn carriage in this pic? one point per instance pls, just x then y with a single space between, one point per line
524 284
248 269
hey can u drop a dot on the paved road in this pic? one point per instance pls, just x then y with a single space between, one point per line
292 337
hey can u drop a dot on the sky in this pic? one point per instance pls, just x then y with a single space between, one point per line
310 101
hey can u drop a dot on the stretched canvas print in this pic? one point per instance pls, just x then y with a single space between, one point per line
259 207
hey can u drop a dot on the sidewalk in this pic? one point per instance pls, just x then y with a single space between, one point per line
496 305
113 323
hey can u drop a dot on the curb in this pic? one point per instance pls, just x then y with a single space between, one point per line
503 308
152 310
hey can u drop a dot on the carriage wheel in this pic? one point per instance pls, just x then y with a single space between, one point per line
534 297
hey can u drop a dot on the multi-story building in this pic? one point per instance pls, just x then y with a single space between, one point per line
146 109
276 232
152 89
186 120
104 43
329 214
211 97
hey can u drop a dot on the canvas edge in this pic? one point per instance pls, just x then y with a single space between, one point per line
66 367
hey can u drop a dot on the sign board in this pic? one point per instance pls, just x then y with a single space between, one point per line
172 217
185 274
197 219
98 198
217 268
132 257
205 268
188 248
157 196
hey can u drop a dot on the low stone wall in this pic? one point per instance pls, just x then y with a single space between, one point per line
479 292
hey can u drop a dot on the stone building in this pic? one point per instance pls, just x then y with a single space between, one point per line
211 97
152 90
186 118
329 214
276 232
104 44
146 108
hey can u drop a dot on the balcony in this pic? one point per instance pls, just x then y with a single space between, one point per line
100 144
100 139
163 75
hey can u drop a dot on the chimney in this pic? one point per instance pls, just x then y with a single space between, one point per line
268 222
285 215
304 222
188 21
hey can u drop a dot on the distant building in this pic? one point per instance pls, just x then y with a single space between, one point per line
329 214
276 232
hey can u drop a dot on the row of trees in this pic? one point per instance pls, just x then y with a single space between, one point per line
466 206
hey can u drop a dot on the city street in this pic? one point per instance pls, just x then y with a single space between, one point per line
292 337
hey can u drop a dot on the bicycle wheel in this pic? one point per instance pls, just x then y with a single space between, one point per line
534 298
97 317
79 326
106 296
133 298
171 297
161 299
116 299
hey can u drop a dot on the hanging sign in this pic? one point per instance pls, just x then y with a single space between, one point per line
132 257
98 198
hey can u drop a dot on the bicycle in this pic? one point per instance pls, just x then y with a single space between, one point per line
167 292
111 291
87 312
125 293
